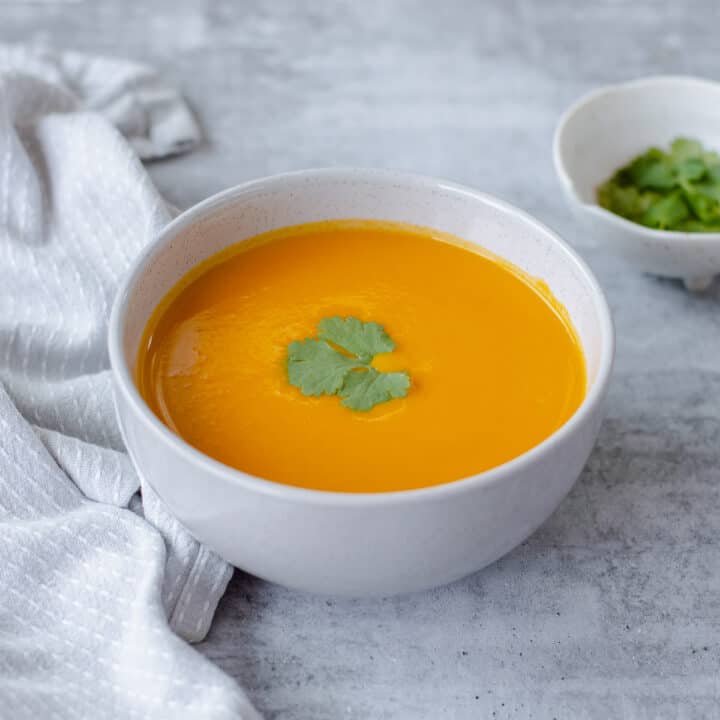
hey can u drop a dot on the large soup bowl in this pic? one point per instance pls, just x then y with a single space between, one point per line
365 543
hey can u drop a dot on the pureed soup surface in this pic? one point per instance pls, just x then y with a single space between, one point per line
494 363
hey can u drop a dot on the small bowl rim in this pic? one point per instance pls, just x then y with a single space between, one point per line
568 184
125 384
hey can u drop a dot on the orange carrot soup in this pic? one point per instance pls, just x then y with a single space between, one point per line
360 356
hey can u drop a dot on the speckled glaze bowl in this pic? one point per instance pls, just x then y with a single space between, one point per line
606 129
358 544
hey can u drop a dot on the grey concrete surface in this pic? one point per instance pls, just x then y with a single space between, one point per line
612 609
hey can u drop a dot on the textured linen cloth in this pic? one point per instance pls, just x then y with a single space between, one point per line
93 579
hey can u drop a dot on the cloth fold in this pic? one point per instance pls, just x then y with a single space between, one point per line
95 576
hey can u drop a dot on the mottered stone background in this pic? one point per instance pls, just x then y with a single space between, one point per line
612 609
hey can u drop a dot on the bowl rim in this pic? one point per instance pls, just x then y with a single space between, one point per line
652 234
125 384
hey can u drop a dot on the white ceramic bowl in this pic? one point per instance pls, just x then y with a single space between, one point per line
358 544
607 128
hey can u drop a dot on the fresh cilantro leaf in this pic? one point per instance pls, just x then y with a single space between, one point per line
628 202
712 165
666 212
704 199
316 368
652 171
689 170
678 190
363 389
364 339
713 171
338 362
684 149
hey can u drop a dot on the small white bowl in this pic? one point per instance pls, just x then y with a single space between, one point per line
342 543
604 130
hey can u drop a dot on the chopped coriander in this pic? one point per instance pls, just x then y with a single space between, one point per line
667 212
338 362
676 190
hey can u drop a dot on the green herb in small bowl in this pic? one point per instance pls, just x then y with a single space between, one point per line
676 190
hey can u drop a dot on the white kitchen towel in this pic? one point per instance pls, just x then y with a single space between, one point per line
93 579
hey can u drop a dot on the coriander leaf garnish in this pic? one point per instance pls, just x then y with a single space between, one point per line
318 367
364 339
364 389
